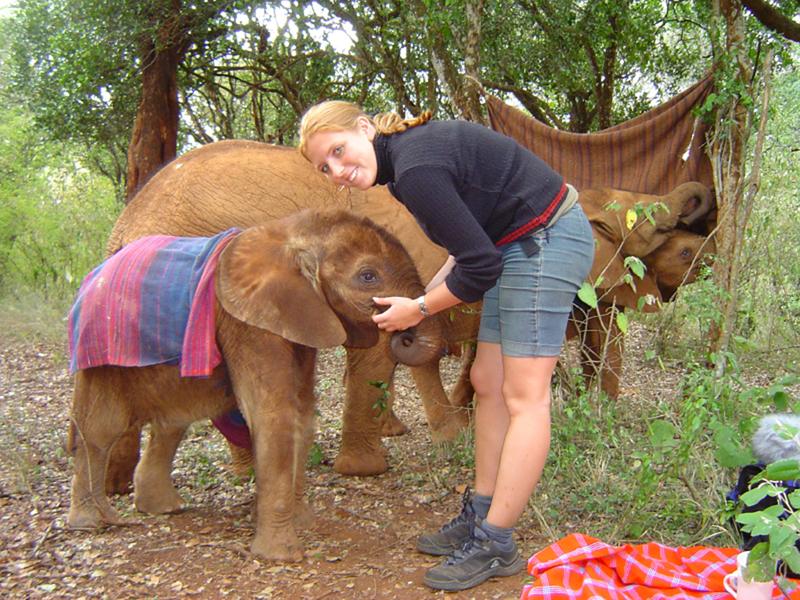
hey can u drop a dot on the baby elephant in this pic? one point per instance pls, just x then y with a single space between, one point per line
236 328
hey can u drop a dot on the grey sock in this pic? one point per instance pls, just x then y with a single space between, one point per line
502 536
481 504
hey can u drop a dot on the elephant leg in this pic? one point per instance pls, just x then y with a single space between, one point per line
93 436
241 460
304 434
361 452
275 452
463 392
153 490
601 349
444 419
391 425
123 461
611 371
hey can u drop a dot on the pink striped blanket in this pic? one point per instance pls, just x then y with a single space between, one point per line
150 303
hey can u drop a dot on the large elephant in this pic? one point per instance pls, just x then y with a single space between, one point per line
239 184
283 289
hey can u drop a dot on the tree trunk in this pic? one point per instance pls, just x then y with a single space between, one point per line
154 140
736 189
472 62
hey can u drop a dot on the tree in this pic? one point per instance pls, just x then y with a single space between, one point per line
738 117
115 66
774 19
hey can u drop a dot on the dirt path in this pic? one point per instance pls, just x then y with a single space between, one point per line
361 546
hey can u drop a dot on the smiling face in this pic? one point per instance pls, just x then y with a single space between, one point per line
347 156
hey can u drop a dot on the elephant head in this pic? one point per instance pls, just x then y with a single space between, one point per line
608 211
316 280
655 229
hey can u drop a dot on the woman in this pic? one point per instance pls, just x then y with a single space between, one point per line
518 239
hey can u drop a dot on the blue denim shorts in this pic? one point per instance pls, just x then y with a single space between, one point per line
526 312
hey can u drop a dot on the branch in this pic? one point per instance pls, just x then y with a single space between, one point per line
772 19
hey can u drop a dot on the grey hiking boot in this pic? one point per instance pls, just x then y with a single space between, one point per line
452 535
478 560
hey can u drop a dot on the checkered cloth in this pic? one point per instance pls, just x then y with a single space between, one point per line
150 303
582 567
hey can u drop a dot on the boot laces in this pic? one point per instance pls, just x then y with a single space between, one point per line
467 513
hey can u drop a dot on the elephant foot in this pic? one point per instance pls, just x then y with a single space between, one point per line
392 426
276 544
158 503
448 430
303 515
351 462
94 513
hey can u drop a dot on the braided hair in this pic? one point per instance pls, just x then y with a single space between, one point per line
338 115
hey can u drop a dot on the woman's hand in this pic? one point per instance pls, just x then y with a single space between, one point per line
401 314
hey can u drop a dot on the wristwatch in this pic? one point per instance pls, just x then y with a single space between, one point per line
422 307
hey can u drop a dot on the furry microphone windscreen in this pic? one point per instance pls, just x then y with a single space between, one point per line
777 437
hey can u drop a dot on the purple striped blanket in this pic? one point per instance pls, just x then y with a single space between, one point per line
150 303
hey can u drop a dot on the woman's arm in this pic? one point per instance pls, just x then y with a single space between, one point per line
443 272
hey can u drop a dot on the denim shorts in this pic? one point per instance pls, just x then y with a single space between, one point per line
526 312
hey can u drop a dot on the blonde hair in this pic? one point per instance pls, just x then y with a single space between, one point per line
339 115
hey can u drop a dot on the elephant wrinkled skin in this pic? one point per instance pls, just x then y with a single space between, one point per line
283 289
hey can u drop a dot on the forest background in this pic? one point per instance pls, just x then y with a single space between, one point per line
96 95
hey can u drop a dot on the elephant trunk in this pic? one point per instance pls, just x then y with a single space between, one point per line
695 198
418 345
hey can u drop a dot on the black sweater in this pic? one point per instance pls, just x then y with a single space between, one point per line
439 169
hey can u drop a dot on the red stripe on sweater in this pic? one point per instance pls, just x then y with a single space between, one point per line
536 221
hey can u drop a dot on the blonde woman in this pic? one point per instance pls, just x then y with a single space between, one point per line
517 239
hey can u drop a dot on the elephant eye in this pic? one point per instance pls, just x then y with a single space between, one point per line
368 276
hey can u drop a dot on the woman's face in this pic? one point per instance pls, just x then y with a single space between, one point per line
346 157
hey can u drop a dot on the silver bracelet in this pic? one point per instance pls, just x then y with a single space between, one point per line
423 307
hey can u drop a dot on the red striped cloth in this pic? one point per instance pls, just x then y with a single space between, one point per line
652 153
150 303
581 567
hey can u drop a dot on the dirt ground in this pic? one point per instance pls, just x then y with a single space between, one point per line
361 546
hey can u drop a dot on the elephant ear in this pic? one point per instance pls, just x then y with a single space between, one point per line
613 289
265 281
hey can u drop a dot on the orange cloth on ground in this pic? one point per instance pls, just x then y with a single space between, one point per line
581 567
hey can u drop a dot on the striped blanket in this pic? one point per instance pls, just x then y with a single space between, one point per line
581 567
150 303
652 153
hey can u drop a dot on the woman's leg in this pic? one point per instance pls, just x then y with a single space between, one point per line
526 443
491 415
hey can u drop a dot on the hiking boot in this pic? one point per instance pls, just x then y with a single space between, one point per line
452 535
478 560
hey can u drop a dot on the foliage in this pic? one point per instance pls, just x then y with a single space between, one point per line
54 214
778 522
584 66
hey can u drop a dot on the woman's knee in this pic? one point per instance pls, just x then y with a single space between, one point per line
485 379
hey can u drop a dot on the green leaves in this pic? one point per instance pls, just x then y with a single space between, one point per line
587 294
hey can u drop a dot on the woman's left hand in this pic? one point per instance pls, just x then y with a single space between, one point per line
401 314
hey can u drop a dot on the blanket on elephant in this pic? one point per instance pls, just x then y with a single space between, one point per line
150 303
651 154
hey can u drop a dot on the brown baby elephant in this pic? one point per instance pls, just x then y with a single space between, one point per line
279 291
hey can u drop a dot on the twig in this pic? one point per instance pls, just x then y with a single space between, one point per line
45 535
